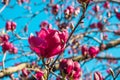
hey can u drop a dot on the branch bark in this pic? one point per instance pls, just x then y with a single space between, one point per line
21 66
14 69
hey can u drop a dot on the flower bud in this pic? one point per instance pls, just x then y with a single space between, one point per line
106 5
6 46
84 50
8 25
55 9
66 66
98 76
96 8
93 51
39 75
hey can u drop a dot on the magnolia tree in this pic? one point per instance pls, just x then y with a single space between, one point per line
59 39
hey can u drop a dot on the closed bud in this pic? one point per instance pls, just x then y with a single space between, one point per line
96 8
106 5
93 51
98 76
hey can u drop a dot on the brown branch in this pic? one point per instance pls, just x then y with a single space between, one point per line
14 69
112 44
19 67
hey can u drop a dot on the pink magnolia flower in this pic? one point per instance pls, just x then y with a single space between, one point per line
71 9
96 8
55 9
13 25
71 69
93 51
5 37
84 50
14 50
77 66
100 26
44 24
77 72
98 76
6 46
66 12
48 42
10 25
39 75
66 66
106 4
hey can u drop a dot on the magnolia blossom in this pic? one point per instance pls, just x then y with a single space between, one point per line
7 46
93 51
55 9
106 5
77 72
71 69
96 8
10 25
84 50
69 11
48 42
39 75
66 66
4 38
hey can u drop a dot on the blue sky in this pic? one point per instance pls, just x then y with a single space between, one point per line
19 10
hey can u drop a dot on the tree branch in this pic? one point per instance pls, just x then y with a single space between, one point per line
19 67
14 69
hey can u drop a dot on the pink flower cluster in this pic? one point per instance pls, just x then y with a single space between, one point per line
55 9
39 75
98 25
106 5
10 26
6 45
96 8
70 10
48 42
92 51
70 69
45 24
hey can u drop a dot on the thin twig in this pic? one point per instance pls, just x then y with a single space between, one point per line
2 8
3 60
